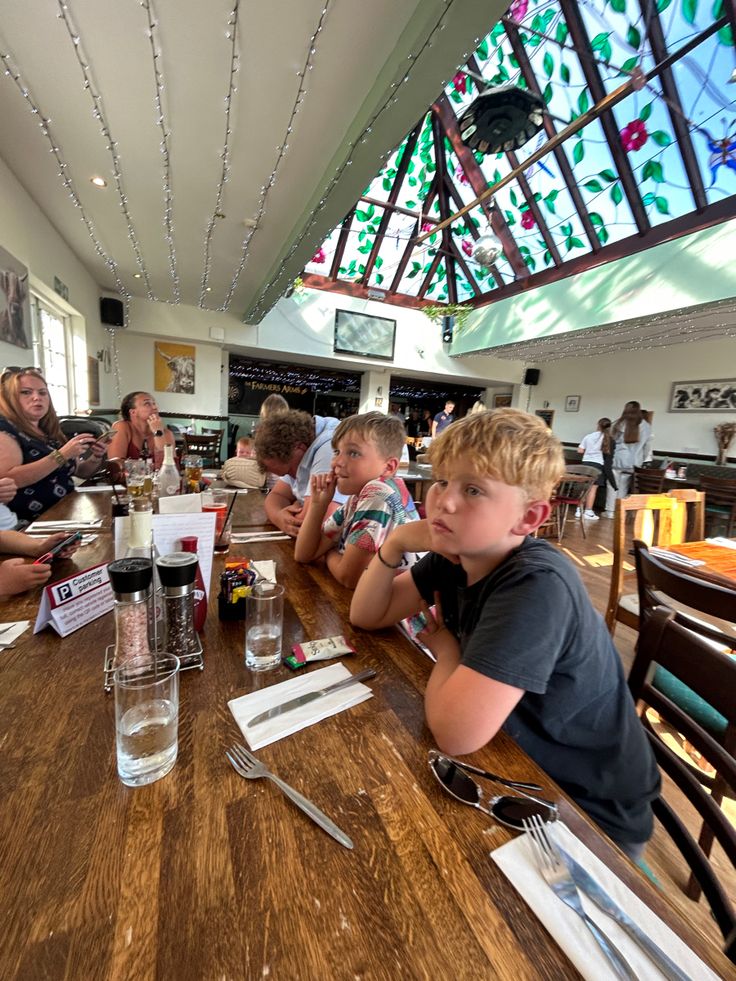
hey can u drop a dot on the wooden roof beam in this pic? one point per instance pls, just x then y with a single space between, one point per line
581 42
479 184
342 241
440 160
678 118
411 244
474 234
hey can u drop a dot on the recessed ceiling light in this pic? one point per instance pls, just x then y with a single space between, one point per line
99 181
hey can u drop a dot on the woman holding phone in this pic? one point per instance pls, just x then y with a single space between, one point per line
34 452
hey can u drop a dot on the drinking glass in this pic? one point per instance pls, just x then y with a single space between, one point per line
146 718
264 610
192 472
215 502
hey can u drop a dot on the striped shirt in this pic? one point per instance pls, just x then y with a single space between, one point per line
367 518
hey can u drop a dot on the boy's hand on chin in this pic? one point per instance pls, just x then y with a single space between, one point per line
322 488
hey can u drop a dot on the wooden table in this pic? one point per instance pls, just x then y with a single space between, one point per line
720 561
206 875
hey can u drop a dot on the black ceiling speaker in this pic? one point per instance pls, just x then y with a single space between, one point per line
448 325
531 376
112 312
502 119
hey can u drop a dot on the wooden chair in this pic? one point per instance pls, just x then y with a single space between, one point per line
720 501
666 643
206 445
695 530
660 519
571 491
647 480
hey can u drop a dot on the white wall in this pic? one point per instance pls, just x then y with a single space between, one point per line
27 234
606 382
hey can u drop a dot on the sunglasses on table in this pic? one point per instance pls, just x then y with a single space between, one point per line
507 809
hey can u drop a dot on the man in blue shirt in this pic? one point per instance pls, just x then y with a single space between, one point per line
443 419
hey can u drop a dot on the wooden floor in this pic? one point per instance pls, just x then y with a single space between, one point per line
591 557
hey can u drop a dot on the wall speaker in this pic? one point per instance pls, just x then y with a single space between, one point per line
111 312
448 325
531 376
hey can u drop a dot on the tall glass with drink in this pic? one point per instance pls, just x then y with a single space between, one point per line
192 472
264 610
146 718
216 502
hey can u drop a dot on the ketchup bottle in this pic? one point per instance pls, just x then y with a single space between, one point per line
189 544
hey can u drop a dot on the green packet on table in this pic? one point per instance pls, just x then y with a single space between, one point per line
317 650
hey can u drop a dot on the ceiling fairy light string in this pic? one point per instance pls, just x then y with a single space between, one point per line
281 153
12 71
99 114
391 99
164 144
232 36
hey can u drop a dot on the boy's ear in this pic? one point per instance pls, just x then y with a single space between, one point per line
390 466
535 514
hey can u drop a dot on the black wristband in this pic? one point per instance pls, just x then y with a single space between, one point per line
159 432
388 564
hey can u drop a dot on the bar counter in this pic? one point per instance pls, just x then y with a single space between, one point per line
207 875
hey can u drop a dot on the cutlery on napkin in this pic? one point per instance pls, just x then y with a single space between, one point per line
52 526
516 861
247 706
668 556
10 632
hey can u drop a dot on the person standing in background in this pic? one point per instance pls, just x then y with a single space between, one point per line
597 450
425 423
631 435
443 419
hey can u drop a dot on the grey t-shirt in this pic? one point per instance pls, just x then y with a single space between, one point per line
530 624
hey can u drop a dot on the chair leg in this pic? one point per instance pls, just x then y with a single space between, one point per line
561 519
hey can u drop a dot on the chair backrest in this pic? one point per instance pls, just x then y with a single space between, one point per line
720 497
648 481
73 425
696 513
207 445
573 488
659 582
712 676
584 469
659 520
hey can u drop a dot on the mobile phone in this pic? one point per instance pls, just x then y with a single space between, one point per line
106 437
52 553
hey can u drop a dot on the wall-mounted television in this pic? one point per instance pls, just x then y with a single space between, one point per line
364 335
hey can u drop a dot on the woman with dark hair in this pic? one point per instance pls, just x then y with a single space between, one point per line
140 432
34 452
597 450
631 435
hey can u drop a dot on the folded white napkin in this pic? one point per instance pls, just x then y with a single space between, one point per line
516 861
239 538
669 556
266 569
98 488
52 526
245 707
14 629
180 504
723 542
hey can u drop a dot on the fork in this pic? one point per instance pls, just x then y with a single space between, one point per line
251 768
557 876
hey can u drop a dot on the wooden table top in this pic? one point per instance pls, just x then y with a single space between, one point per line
206 875
720 561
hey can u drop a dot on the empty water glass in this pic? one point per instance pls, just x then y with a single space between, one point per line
263 626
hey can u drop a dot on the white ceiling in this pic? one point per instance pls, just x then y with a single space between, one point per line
358 104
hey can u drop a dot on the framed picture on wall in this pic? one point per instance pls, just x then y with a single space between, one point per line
173 367
15 301
546 414
93 380
572 403
501 401
703 396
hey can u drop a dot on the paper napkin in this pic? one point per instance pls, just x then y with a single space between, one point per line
272 730
723 542
516 861
14 629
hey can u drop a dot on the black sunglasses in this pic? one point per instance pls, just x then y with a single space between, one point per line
506 809
14 369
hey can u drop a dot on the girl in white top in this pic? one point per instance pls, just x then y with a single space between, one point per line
632 436
596 447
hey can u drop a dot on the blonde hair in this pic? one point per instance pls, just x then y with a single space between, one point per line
245 441
272 404
10 407
504 444
386 432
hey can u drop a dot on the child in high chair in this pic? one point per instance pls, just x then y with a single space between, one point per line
367 449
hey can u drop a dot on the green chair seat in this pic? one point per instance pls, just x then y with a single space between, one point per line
692 704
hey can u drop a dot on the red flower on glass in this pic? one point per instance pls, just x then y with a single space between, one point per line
460 174
518 9
467 246
427 226
634 136
460 83
528 220
319 256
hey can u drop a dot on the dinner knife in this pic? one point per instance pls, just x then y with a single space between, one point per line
307 697
585 881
